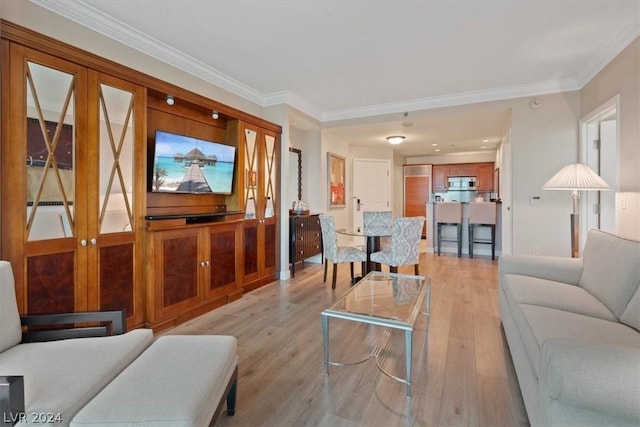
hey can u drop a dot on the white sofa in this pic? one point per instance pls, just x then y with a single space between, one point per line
572 326
123 379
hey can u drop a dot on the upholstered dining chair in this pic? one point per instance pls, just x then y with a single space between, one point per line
405 244
337 254
378 219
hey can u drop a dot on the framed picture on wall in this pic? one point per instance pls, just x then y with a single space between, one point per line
336 180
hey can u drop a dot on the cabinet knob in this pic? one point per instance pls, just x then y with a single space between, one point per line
83 243
203 264
301 237
93 241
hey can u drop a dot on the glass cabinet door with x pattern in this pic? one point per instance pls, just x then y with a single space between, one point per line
69 184
261 150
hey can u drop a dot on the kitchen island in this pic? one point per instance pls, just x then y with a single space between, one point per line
449 233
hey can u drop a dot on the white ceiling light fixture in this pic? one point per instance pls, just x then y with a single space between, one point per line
395 140
215 115
170 100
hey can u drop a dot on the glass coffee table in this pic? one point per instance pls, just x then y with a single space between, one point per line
382 299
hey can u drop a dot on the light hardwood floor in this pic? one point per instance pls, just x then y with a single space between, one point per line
462 373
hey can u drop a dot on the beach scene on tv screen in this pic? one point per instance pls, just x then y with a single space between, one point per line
189 165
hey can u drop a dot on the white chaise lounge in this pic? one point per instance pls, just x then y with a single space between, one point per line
122 379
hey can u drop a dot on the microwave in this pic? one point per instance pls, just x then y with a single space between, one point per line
461 183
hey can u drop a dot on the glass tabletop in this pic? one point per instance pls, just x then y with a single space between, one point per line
387 299
377 231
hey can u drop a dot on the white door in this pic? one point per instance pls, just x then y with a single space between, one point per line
599 152
371 187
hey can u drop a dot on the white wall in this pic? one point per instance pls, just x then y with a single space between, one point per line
333 144
628 215
622 77
397 174
542 141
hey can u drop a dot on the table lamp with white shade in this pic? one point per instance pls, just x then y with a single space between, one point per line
576 177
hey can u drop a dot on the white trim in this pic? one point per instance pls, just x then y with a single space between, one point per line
626 33
599 113
464 98
99 22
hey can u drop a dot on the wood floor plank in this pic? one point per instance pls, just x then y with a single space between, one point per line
462 371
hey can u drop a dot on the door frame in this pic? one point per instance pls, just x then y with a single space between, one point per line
606 110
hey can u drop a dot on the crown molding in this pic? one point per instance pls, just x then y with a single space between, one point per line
92 18
293 100
464 98
89 17
626 33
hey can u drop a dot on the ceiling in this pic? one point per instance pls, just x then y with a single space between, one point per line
358 66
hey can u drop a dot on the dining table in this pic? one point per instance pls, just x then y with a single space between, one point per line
372 235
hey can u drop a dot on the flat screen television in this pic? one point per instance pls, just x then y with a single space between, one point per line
182 164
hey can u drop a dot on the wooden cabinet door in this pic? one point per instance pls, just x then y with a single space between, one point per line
416 195
260 230
77 130
462 169
44 198
270 153
223 271
485 177
179 267
115 176
439 175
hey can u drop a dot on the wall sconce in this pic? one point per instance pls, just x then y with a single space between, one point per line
215 115
170 100
395 140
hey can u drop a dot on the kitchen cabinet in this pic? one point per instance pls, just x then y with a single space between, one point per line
416 196
305 239
462 169
195 268
260 241
439 174
71 212
484 172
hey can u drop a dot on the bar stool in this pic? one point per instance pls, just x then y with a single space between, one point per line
449 213
482 214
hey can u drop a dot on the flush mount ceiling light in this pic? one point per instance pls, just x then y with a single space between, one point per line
215 115
170 100
395 139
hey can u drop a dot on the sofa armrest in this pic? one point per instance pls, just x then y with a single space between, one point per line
560 269
598 377
51 327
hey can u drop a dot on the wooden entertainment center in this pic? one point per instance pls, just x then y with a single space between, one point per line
84 232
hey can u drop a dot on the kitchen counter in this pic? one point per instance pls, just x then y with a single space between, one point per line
450 233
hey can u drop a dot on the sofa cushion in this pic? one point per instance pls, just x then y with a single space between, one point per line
10 331
612 386
611 270
631 314
195 372
62 376
537 324
547 293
